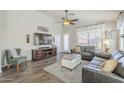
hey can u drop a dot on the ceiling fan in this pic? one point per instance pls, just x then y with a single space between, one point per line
66 21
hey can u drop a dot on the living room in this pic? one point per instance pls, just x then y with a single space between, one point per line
50 38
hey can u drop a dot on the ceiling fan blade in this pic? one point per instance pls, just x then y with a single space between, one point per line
72 23
74 20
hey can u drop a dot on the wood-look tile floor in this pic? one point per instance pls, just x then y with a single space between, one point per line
32 73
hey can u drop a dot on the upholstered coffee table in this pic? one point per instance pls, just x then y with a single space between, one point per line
70 61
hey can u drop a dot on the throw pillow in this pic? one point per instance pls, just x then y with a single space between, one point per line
97 62
77 49
120 68
118 55
13 53
114 53
109 65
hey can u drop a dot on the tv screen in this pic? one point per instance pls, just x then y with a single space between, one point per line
42 39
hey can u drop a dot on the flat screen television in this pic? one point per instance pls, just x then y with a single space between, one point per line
42 39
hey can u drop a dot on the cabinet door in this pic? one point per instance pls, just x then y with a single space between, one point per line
38 53
34 55
54 51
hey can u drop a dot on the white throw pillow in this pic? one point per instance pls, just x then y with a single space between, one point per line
13 53
109 65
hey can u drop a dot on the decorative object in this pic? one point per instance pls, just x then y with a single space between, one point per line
41 28
78 49
28 38
53 39
106 43
110 33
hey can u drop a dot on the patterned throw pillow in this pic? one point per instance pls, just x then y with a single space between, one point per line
97 62
110 65
13 53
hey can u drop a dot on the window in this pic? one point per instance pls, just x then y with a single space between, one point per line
122 37
66 42
82 38
91 35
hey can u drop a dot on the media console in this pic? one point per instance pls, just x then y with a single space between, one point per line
43 53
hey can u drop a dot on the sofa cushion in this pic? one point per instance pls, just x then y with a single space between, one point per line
97 62
99 59
114 53
103 55
89 48
109 65
120 68
118 55
85 54
121 60
82 48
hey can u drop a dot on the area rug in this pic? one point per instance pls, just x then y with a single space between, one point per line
66 75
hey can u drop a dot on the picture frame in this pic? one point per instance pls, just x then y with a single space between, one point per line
28 38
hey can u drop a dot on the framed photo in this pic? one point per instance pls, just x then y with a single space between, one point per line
28 38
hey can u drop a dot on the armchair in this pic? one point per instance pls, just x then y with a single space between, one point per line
14 58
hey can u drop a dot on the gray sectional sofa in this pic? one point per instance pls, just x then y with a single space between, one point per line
93 74
87 52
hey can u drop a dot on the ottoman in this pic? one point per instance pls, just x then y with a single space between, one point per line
70 61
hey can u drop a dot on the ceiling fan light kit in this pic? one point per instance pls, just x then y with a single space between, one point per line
67 21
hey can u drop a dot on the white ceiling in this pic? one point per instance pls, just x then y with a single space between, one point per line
86 17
